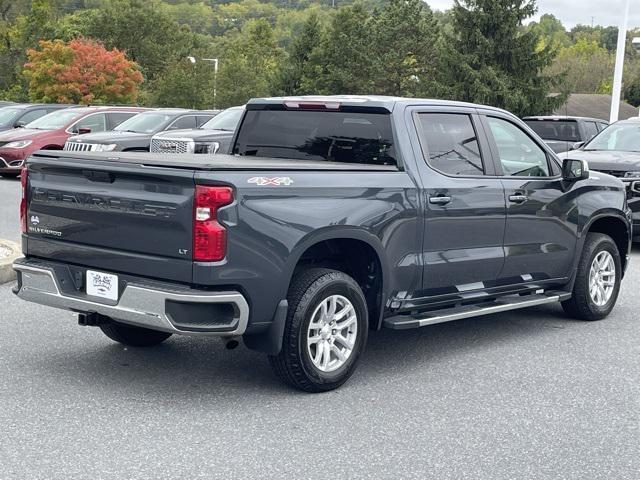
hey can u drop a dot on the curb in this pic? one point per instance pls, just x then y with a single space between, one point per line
6 263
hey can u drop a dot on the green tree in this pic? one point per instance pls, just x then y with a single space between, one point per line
248 64
586 66
492 60
293 68
342 64
143 30
183 84
405 53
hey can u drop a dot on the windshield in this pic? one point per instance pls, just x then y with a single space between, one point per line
7 115
624 137
56 120
317 135
144 123
226 120
559 130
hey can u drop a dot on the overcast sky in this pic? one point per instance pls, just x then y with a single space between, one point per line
573 12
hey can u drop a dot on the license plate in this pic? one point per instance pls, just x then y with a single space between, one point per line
103 285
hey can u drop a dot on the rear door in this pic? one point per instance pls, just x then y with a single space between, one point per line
464 203
539 239
117 218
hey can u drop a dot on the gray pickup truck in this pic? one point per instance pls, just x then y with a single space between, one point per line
332 216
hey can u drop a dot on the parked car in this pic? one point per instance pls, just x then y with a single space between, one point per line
616 151
135 133
19 115
52 131
332 217
565 133
213 137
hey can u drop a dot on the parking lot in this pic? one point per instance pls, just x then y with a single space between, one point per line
516 395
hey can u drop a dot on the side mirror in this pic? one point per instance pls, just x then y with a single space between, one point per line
577 145
83 130
19 124
574 170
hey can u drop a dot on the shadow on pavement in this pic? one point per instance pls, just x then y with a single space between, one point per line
190 366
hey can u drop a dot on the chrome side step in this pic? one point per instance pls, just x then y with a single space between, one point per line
404 322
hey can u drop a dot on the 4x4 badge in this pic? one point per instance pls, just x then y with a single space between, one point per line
265 181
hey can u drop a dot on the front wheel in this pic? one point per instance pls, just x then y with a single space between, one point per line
597 281
133 336
325 332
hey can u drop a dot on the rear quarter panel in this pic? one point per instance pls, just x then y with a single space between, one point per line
270 227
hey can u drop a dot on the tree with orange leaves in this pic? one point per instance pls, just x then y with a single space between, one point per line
81 71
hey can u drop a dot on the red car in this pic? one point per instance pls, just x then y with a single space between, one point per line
51 131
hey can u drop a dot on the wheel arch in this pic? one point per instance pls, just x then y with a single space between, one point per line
354 251
614 225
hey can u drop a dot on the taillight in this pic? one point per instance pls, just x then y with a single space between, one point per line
209 237
24 181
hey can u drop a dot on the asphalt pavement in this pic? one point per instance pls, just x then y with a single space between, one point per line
525 395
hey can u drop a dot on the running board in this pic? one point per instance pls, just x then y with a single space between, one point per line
404 322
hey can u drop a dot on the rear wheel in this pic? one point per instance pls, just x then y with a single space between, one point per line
133 336
597 281
325 333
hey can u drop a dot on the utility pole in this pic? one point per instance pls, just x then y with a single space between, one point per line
617 76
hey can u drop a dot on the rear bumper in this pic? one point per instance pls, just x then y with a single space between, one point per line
163 307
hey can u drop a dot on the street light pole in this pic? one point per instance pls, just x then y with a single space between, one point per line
215 62
617 77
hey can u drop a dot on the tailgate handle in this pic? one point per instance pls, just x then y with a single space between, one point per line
95 176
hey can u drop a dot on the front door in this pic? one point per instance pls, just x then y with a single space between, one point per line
540 235
464 205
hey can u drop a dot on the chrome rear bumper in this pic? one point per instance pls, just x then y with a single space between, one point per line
139 305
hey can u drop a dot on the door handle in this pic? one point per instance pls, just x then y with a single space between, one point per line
439 200
518 198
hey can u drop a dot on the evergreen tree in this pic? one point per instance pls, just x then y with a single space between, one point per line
294 67
343 64
492 60
405 51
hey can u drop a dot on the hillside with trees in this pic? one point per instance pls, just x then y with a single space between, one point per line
483 51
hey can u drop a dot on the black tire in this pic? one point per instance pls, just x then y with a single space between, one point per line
308 289
581 306
133 336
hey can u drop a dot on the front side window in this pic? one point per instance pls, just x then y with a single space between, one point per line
519 154
333 136
32 115
451 143
183 123
8 115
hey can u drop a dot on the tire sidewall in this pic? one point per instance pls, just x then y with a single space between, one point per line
605 244
305 310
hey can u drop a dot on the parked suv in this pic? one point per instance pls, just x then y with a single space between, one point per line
332 217
134 134
212 137
565 133
52 131
19 115
616 151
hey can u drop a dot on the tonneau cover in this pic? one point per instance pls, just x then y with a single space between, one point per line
208 162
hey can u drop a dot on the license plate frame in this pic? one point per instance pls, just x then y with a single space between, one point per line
102 285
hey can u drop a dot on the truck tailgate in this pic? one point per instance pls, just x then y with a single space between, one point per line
120 218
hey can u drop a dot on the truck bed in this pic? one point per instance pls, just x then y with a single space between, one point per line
207 162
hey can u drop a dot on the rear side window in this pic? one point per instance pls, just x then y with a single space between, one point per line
451 143
202 119
559 130
317 135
